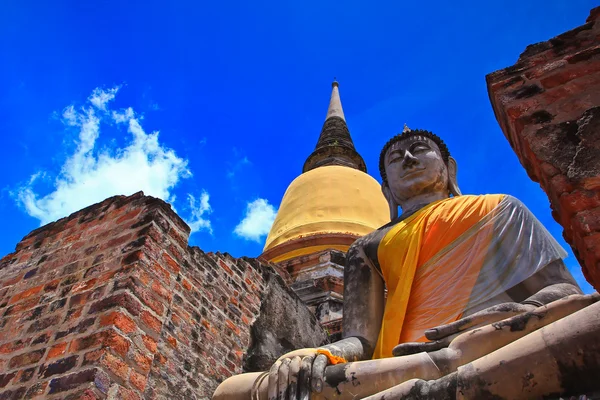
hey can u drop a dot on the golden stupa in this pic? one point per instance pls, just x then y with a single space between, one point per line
333 202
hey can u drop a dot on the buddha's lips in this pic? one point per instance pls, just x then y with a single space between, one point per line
412 171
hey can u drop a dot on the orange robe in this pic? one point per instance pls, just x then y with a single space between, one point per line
430 263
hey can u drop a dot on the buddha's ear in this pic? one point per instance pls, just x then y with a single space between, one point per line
452 182
387 193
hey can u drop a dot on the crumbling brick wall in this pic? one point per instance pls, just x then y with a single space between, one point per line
548 105
112 303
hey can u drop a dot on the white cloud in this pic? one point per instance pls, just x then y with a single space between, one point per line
197 220
257 221
240 163
91 174
100 97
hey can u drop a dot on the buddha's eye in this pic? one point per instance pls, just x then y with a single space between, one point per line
419 148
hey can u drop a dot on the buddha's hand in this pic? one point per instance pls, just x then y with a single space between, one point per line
484 317
442 335
298 373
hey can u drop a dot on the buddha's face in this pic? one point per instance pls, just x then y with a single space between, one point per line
415 166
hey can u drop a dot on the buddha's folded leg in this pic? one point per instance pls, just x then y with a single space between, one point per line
240 387
364 378
561 358
343 381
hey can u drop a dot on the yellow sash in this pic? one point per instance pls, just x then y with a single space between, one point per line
412 243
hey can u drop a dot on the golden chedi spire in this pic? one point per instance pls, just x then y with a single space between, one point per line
335 104
335 146
333 202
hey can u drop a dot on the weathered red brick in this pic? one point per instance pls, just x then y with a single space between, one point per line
57 350
153 323
26 294
124 300
73 314
162 273
11 347
83 286
44 323
150 343
74 380
129 216
170 263
58 367
24 375
52 285
36 390
81 327
86 297
115 365
160 290
138 380
127 394
118 241
119 320
6 378
26 359
41 339
579 200
16 393
587 221
140 292
11 280
225 267
142 361
132 257
172 341
107 338
567 74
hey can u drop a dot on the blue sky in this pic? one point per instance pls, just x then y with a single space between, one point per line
238 92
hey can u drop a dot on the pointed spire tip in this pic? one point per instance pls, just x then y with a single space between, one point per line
335 104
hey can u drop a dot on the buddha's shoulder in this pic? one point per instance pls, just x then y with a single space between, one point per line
477 198
373 238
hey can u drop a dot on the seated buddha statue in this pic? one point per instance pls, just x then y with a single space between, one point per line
443 284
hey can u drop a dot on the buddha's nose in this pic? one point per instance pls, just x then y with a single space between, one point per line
409 160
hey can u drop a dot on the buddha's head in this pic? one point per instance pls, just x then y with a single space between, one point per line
414 163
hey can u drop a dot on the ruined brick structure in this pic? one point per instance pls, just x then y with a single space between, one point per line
548 105
112 303
318 279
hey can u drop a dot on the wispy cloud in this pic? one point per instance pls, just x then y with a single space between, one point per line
91 174
101 97
239 163
198 211
257 221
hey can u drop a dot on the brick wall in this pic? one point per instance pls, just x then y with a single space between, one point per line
112 303
548 105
